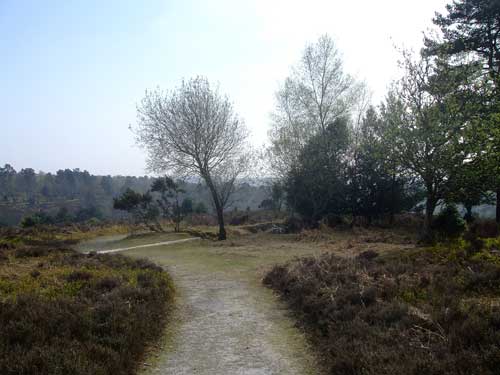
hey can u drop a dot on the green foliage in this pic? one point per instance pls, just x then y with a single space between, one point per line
200 208
471 36
427 115
470 26
141 206
130 200
349 172
40 218
169 192
187 206
277 195
448 224
266 204
62 217
28 222
377 184
316 94
317 184
87 196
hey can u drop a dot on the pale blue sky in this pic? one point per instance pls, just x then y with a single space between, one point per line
71 72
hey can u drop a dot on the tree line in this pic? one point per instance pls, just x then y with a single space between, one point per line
434 139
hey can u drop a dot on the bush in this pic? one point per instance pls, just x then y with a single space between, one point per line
333 221
239 220
28 222
96 318
448 224
79 276
33 252
486 228
40 218
476 244
368 255
410 313
294 225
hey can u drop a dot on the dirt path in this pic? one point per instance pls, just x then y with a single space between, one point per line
156 244
225 322
223 326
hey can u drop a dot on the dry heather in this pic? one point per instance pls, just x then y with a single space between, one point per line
62 312
419 311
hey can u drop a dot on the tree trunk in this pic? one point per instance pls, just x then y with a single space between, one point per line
220 218
218 207
468 214
392 204
498 206
430 207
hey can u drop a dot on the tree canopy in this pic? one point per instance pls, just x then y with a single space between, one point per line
193 130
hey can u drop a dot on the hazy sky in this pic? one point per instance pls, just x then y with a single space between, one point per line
71 72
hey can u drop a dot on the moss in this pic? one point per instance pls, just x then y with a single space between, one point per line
486 256
415 296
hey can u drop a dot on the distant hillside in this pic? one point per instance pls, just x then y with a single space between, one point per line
78 193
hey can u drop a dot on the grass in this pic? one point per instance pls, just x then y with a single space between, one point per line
417 311
64 312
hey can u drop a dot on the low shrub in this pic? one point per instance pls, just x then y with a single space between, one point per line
420 312
239 220
70 313
26 252
79 276
368 255
294 224
6 246
486 228
448 224
333 221
475 243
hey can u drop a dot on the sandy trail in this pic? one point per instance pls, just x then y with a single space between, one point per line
120 249
225 327
225 321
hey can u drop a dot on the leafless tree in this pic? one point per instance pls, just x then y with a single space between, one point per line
193 130
317 93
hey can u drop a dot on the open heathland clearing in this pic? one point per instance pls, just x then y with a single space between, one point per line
65 312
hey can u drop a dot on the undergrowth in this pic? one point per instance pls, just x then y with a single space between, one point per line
63 312
425 311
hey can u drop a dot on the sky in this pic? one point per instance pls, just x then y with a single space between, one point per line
72 72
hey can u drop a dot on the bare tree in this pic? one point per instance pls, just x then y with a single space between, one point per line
193 130
317 93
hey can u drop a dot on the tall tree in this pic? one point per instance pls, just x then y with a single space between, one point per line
7 182
277 195
376 186
316 94
471 36
471 27
316 184
427 127
27 182
194 130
